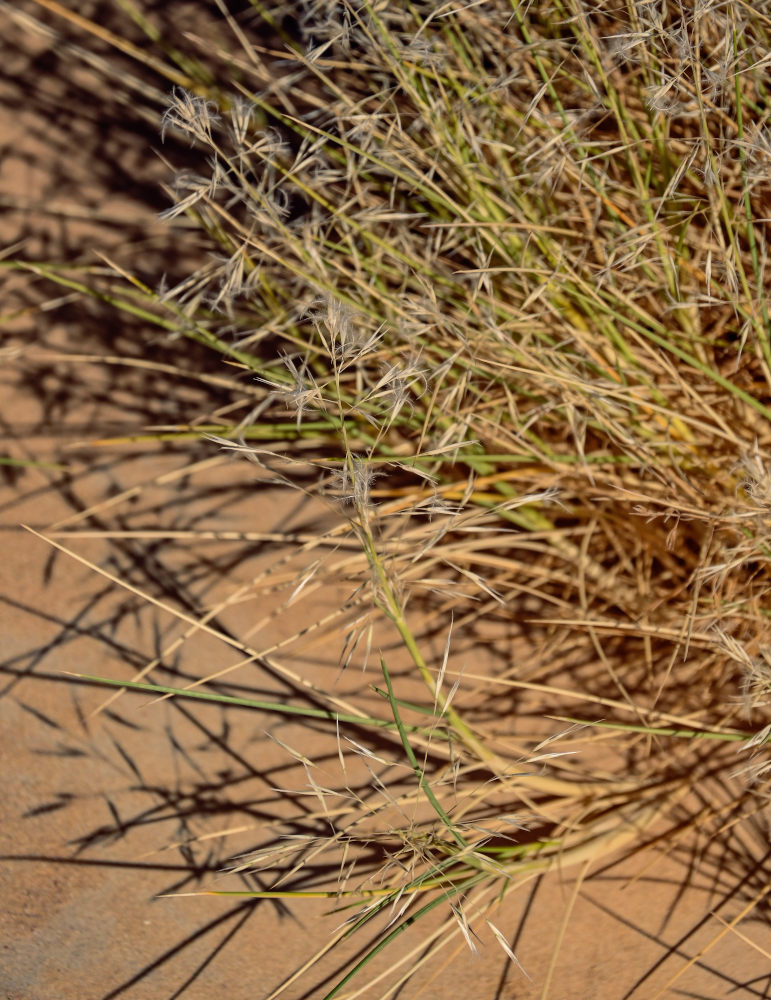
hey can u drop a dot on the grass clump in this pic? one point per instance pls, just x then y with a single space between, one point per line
498 275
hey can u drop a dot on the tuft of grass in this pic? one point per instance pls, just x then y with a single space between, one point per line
489 282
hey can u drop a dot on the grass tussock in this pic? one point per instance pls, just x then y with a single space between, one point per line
497 273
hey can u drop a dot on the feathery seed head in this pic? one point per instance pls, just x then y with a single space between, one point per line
353 481
190 114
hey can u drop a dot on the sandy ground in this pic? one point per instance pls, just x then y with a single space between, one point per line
104 816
